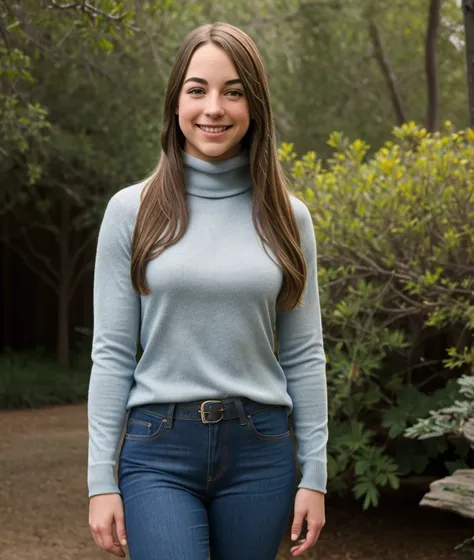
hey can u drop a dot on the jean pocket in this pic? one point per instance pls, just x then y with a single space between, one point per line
144 426
271 424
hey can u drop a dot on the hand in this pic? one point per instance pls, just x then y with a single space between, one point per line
107 523
309 504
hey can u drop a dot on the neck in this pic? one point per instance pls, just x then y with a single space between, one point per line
219 179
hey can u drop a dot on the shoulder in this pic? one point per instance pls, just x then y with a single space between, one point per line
127 200
302 213
305 225
120 214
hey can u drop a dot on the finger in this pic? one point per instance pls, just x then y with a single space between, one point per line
311 538
115 538
119 526
298 544
108 543
314 530
97 538
297 525
95 530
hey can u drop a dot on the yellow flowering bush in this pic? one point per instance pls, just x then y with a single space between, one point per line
395 237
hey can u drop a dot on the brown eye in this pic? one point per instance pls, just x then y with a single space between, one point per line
235 93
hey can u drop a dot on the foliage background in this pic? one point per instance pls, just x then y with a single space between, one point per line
82 87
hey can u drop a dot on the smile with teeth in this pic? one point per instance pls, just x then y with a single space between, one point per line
213 128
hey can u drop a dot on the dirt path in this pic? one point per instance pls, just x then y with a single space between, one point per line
43 503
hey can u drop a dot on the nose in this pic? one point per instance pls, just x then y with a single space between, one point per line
214 107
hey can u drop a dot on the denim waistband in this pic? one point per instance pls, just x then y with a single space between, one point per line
212 410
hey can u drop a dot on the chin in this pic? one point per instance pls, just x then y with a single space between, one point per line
216 151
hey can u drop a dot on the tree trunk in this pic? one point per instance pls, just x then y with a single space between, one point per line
64 285
431 65
468 11
6 256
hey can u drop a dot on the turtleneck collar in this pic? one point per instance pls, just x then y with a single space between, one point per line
218 179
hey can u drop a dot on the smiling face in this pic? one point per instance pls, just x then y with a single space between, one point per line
212 109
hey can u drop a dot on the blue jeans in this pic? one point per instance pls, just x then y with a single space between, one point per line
192 488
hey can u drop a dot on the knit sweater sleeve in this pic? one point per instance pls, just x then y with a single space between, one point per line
302 358
114 347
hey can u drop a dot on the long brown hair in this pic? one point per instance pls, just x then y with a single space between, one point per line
163 216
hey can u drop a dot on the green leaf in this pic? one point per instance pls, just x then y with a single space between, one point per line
453 466
106 45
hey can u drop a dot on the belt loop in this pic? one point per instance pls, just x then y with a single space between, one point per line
170 415
241 411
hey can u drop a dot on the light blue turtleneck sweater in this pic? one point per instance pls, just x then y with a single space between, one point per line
207 326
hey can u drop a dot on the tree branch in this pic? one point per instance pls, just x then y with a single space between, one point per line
41 258
78 278
92 11
389 76
82 248
41 273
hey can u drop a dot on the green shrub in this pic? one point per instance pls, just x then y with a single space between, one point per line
33 379
395 235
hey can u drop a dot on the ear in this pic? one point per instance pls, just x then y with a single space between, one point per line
176 111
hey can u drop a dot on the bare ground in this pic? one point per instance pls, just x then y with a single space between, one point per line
43 503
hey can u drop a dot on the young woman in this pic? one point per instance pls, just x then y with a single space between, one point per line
204 263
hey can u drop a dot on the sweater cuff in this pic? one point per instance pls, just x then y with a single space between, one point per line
101 480
314 476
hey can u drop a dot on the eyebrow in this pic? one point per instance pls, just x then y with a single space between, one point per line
206 83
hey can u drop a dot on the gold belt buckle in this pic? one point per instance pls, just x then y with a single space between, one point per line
203 412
